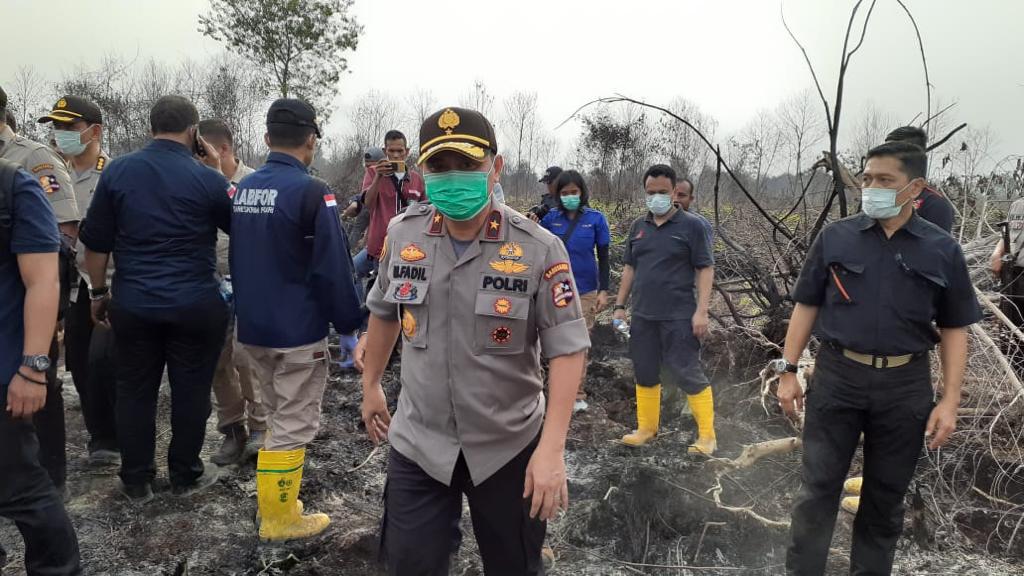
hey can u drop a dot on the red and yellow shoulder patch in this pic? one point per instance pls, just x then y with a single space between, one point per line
556 268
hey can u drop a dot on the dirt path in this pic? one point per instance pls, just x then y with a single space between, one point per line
642 511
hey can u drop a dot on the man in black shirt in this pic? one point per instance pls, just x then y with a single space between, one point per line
881 289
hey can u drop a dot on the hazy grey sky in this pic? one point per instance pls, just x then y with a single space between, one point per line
731 57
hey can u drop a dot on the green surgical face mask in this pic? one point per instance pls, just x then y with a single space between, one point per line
458 195
571 202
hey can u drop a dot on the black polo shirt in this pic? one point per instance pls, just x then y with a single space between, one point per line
935 208
665 259
885 296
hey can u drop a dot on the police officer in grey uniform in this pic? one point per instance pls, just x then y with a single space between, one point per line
1014 287
49 169
78 130
478 292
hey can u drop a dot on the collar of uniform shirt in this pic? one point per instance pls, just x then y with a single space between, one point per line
282 158
170 145
915 225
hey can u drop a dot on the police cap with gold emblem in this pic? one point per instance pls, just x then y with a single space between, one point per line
460 129
73 108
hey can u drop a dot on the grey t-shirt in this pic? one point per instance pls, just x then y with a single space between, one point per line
459 246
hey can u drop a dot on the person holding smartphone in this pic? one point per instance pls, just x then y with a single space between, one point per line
388 187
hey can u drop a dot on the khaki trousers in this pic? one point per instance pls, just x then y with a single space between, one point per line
292 381
589 303
236 396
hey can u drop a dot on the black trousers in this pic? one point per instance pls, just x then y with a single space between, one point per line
421 516
890 406
28 497
49 424
188 342
668 344
89 356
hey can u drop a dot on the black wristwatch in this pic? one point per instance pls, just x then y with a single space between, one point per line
98 293
618 307
38 363
781 366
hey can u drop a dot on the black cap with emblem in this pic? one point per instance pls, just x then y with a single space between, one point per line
460 129
293 112
73 108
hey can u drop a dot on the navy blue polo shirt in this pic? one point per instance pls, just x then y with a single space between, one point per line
886 296
590 232
33 231
290 266
157 210
665 260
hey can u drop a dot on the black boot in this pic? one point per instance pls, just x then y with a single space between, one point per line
233 448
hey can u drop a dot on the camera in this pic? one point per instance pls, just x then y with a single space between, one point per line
540 211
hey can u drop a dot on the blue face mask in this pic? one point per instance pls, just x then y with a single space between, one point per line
458 195
880 203
499 193
659 204
571 202
69 142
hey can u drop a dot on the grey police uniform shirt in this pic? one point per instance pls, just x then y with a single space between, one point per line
47 167
85 185
223 240
1016 219
474 328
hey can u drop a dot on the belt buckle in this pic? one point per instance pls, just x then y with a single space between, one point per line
880 361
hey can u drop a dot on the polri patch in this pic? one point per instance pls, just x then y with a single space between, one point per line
562 294
556 268
412 253
521 285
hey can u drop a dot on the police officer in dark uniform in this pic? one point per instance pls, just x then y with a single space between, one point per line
28 312
292 277
881 289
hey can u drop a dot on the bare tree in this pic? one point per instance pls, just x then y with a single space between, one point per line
478 98
27 97
686 153
520 129
870 130
372 116
419 105
802 130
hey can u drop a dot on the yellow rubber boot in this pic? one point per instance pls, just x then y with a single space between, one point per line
278 479
648 416
703 406
851 504
853 485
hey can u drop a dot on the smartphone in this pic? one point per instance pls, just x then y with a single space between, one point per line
398 166
197 146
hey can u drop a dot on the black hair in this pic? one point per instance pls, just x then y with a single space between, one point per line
911 134
10 120
215 129
658 171
395 135
566 178
693 187
913 160
288 135
172 115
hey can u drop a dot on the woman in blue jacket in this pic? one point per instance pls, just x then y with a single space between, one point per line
585 233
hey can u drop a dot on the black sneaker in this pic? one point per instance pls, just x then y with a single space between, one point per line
208 478
137 493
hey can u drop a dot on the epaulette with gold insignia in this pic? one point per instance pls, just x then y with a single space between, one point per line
100 163
494 221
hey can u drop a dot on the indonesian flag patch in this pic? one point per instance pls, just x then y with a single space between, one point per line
329 200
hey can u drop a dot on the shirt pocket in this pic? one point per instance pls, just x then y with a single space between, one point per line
501 323
846 284
920 302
